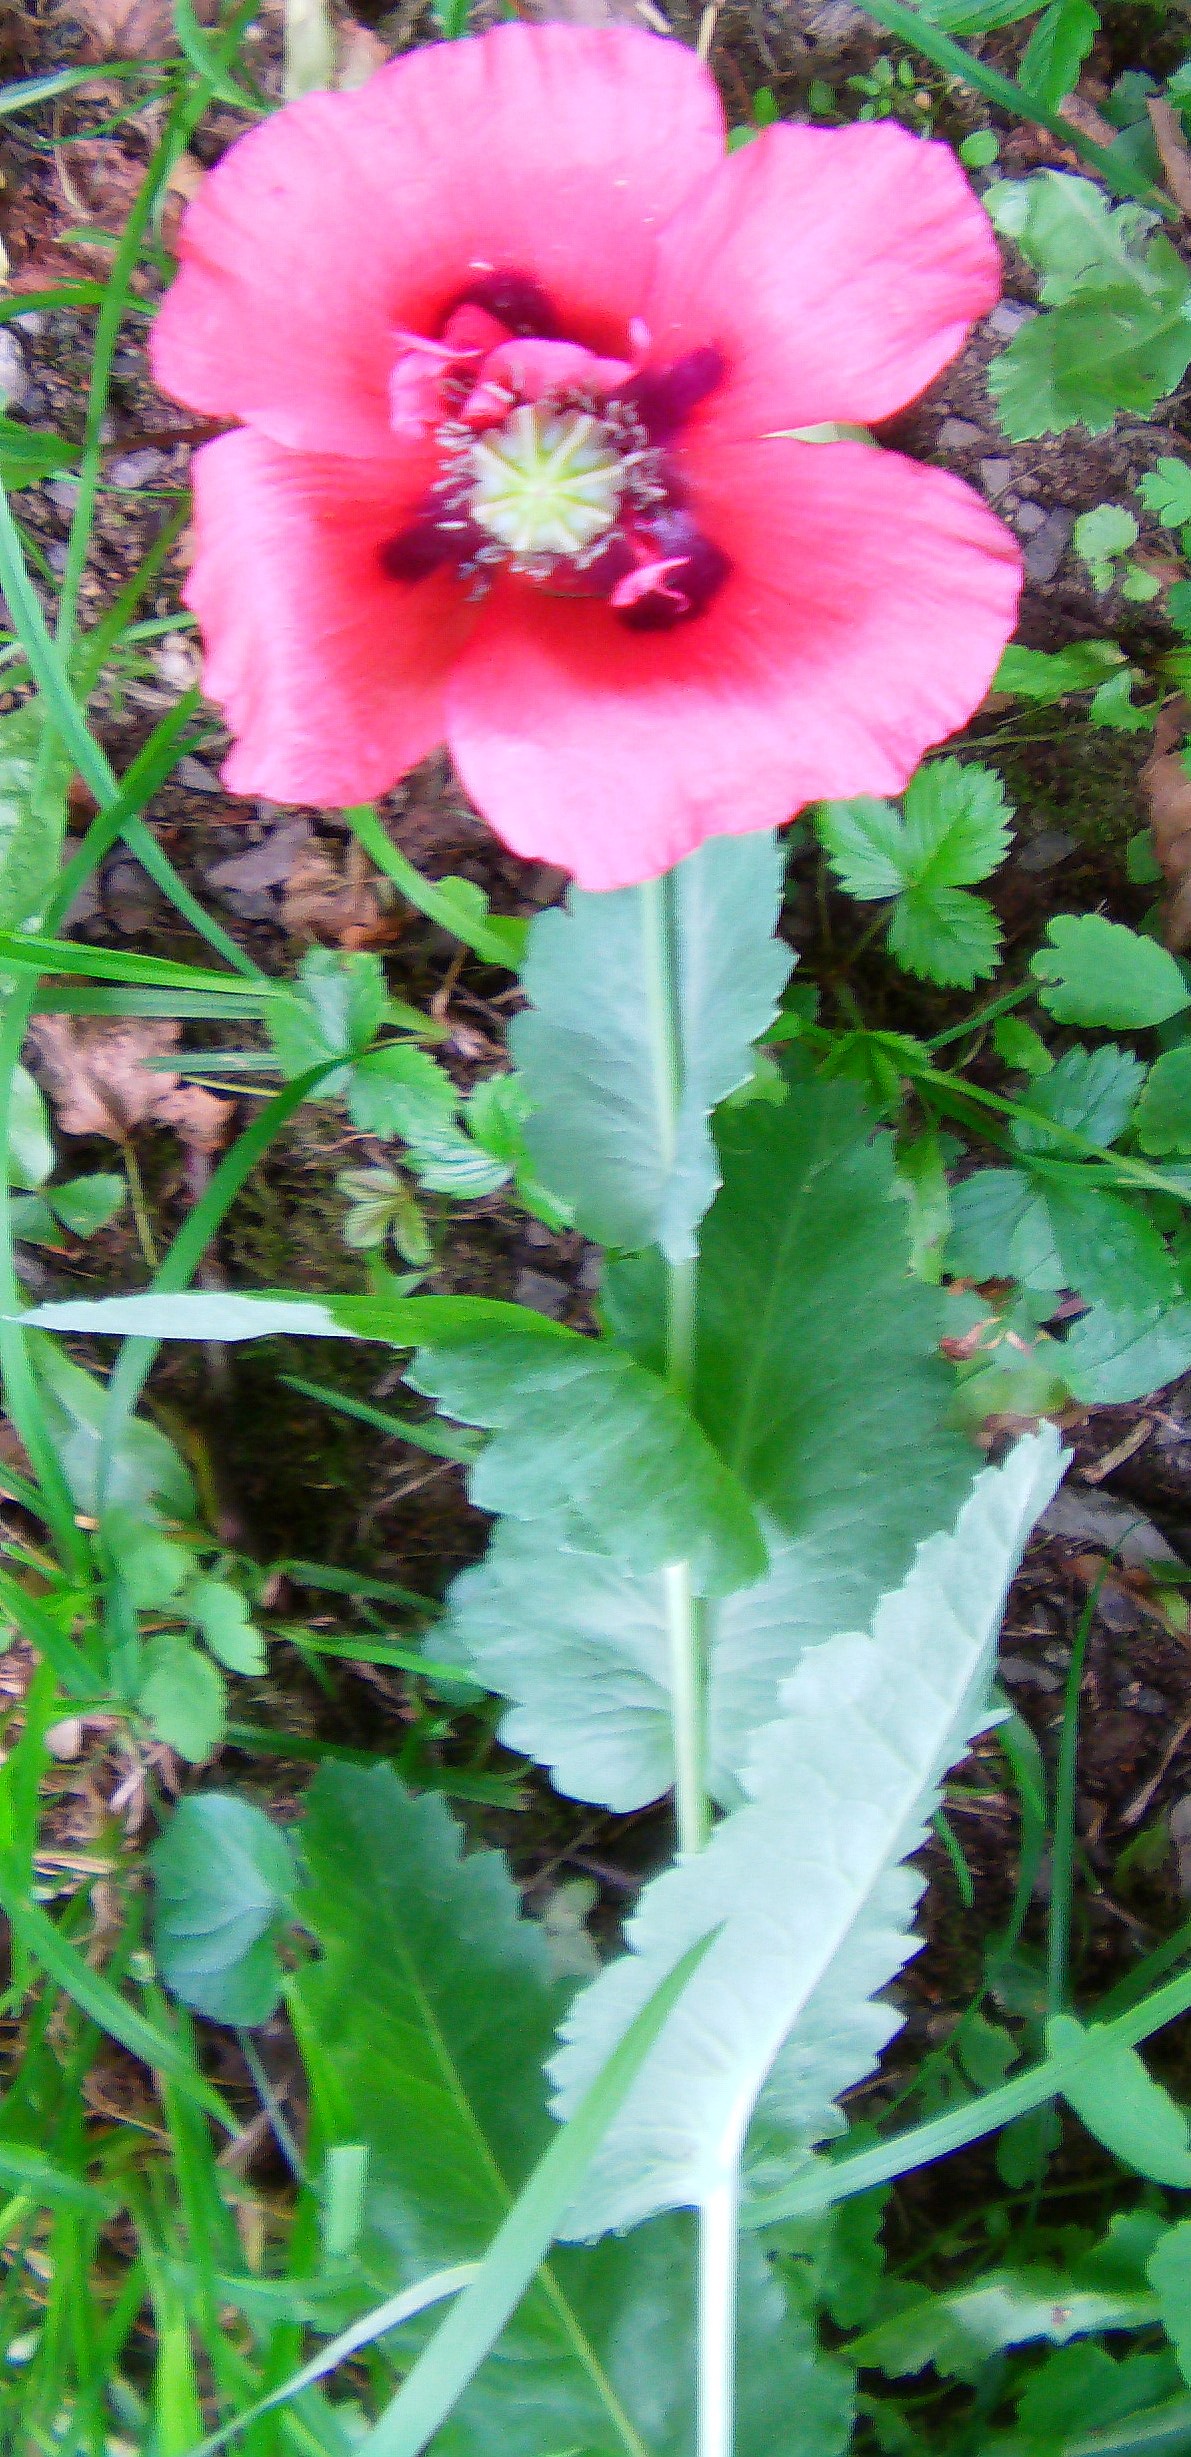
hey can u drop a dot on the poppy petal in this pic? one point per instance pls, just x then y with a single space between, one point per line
867 606
836 270
551 153
329 672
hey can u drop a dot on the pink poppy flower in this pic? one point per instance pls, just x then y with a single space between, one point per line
518 349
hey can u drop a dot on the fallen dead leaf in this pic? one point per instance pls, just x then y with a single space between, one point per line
133 29
358 54
1173 148
1167 788
330 899
93 1070
1083 116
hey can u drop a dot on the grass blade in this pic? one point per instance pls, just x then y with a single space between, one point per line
96 1997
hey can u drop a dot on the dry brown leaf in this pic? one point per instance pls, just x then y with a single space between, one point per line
1167 788
324 899
133 29
1083 116
1173 147
93 1070
358 54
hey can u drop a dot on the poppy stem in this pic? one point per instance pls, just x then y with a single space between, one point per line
686 1625
684 1612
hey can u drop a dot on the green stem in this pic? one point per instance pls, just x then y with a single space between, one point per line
687 1640
1062 1863
688 1679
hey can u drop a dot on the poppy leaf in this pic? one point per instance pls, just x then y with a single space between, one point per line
785 2002
423 2026
804 1233
593 1051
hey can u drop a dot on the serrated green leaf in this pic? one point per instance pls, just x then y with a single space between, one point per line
945 934
1113 705
1113 1355
423 2029
1020 1046
224 1619
224 1880
1079 2383
1109 1252
1049 676
956 824
1056 51
1120 2102
183 1695
1120 347
816 1363
1098 972
1069 230
787 1991
31 1154
864 841
446 1161
337 1007
954 829
401 1090
596 1046
1166 492
1164 1109
1100 537
1001 1231
1093 1091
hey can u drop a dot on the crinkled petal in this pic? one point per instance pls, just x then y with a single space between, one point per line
551 151
836 269
330 673
863 619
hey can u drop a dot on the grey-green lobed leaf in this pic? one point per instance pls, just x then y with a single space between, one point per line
806 1882
566 1413
423 2028
816 1363
591 1047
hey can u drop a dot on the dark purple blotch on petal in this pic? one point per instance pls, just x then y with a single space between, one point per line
664 397
699 570
516 300
429 540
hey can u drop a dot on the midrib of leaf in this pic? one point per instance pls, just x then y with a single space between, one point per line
565 2314
750 1391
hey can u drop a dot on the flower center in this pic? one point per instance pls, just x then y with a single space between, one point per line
546 481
